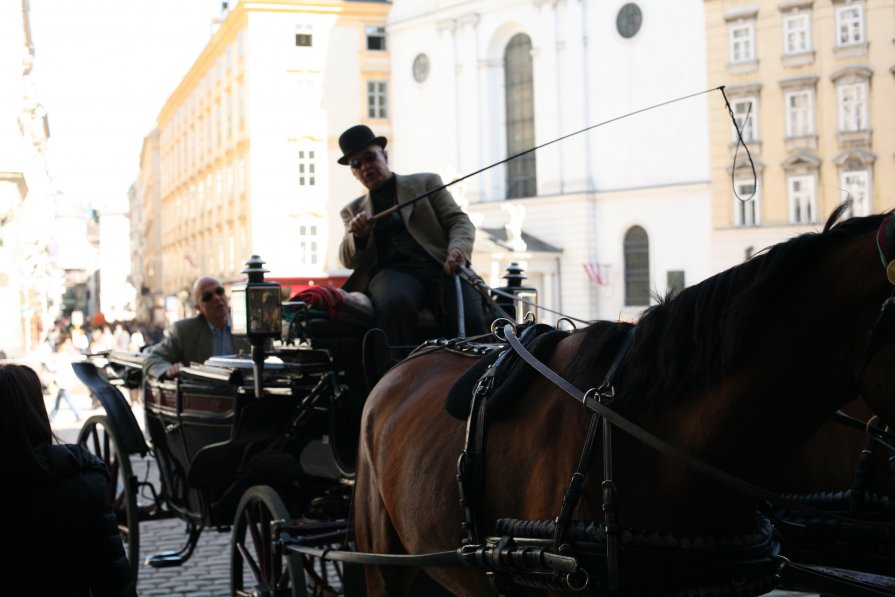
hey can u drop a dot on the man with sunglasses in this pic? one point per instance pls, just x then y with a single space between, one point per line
195 339
402 260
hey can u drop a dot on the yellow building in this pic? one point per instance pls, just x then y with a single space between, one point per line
812 84
248 140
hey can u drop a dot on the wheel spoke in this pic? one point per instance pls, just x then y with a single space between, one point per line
250 561
94 435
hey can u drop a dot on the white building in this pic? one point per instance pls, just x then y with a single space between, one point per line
599 220
30 286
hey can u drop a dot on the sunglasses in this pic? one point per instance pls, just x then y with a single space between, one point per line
208 294
368 157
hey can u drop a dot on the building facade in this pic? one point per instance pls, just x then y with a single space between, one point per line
811 84
145 202
31 280
604 220
247 143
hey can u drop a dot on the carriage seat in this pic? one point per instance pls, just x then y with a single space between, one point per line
332 313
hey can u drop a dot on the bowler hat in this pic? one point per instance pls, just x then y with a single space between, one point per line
355 139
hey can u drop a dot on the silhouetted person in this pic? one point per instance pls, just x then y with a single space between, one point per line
59 534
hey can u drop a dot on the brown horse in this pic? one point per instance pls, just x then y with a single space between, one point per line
739 371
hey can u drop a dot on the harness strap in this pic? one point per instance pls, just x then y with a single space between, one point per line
471 464
832 580
663 446
879 435
573 492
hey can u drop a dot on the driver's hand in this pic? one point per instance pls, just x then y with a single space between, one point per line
361 224
454 261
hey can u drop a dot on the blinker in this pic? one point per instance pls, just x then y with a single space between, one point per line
890 272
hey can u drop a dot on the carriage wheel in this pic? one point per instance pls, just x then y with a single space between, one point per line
254 568
101 440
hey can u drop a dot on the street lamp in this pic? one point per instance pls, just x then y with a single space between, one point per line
256 313
525 297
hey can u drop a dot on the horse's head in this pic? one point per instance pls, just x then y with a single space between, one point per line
874 371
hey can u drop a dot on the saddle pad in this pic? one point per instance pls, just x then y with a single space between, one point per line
513 377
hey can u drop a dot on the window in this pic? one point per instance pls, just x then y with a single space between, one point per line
745 203
628 20
520 117
849 24
303 36
241 175
745 113
802 199
308 253
375 37
742 42
376 99
797 33
856 186
306 168
675 282
305 89
853 107
241 104
800 113
636 248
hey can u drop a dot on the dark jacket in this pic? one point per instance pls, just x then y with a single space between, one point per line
61 535
187 341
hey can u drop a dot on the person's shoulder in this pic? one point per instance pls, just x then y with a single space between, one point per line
419 178
190 324
354 205
63 460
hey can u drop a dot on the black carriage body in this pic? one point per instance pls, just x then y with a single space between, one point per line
213 438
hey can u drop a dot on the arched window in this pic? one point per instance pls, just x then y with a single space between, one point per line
636 267
520 106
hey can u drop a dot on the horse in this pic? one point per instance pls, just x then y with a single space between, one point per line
740 371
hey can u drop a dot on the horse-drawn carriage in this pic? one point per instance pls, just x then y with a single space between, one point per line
714 391
216 456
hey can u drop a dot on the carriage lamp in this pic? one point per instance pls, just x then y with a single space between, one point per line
524 299
255 312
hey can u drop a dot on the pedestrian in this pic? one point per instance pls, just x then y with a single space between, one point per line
64 378
60 536
402 260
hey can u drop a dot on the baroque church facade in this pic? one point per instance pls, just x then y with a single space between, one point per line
603 221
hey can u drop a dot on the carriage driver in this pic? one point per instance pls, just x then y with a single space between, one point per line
402 260
195 339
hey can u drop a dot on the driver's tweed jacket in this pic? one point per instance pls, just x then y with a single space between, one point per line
437 223
187 341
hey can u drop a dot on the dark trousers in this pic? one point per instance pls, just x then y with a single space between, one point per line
398 297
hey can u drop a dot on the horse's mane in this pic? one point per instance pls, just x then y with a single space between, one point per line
697 337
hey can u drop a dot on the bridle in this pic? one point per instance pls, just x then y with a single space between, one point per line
885 320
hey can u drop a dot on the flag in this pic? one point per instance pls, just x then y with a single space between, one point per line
597 272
